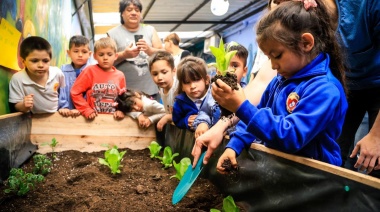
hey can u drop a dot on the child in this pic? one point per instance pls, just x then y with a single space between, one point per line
194 108
162 70
101 83
303 108
139 106
79 53
35 88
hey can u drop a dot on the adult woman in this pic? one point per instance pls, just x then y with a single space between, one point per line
133 55
172 46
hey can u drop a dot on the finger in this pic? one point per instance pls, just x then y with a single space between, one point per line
359 161
377 167
355 151
196 153
371 165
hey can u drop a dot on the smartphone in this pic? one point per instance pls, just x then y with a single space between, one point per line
138 37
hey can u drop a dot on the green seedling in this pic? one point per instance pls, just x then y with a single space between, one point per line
228 205
52 144
223 58
112 159
154 149
167 158
181 167
41 164
21 183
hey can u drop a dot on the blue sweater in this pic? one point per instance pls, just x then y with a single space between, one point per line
359 27
302 115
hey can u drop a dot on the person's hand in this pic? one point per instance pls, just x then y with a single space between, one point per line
162 122
190 121
92 115
118 115
142 45
226 96
28 102
131 51
369 148
65 112
228 154
210 139
144 122
75 113
202 128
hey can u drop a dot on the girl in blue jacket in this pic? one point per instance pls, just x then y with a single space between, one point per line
303 108
194 108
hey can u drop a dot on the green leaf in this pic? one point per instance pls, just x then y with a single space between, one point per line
229 204
222 57
154 149
181 167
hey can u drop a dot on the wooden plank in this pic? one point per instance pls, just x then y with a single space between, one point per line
88 136
352 175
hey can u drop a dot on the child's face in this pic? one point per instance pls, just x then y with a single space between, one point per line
79 55
238 64
195 89
283 60
105 57
37 64
162 74
138 105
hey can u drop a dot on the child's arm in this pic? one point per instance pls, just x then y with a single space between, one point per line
164 120
26 105
81 85
156 109
180 117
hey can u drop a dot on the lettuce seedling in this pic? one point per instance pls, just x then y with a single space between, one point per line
112 159
228 205
21 183
167 157
41 164
154 149
222 58
181 167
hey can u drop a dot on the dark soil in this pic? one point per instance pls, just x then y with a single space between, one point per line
78 182
231 80
228 167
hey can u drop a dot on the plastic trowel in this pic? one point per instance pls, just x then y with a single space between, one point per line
187 180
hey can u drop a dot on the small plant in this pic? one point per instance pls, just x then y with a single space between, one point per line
52 144
167 158
41 164
228 205
181 167
21 183
154 149
222 58
112 159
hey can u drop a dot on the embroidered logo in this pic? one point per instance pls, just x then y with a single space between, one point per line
292 101
56 86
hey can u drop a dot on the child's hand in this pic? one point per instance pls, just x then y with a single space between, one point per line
190 121
228 154
202 128
164 120
92 115
144 121
65 112
28 102
118 115
75 113
227 97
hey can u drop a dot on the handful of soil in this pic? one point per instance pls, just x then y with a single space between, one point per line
227 165
231 80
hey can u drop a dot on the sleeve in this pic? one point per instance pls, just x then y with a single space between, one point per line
64 95
179 116
205 111
81 85
16 93
134 115
156 109
240 139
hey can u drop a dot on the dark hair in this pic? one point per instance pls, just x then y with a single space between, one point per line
161 55
174 38
241 52
125 3
78 40
290 20
32 43
126 100
191 69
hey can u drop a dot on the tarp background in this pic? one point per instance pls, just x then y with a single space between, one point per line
266 182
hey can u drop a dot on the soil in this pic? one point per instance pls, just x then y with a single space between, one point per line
229 168
231 80
77 182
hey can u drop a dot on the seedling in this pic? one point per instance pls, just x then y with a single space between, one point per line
41 164
52 144
112 159
167 158
228 205
21 183
154 149
223 58
181 167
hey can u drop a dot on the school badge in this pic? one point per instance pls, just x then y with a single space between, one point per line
56 86
291 101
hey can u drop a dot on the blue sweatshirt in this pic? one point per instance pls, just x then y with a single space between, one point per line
302 115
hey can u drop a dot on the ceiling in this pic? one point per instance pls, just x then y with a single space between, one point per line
192 20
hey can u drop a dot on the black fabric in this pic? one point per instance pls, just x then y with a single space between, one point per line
185 53
266 182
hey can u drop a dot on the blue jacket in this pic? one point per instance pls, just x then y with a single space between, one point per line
64 93
359 27
209 112
317 105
